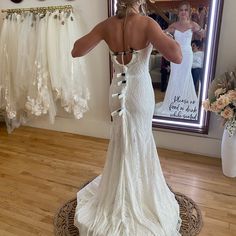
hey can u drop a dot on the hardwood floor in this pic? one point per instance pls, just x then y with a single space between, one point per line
42 169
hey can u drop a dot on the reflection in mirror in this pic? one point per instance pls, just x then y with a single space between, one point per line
178 86
181 88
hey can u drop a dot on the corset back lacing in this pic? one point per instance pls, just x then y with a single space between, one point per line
123 83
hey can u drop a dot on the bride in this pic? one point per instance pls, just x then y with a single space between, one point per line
131 197
181 100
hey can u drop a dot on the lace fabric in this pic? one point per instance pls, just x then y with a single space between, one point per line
131 196
38 69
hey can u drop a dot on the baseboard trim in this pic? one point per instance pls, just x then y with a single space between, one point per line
200 145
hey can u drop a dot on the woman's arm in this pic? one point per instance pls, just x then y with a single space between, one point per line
85 44
167 46
170 29
196 28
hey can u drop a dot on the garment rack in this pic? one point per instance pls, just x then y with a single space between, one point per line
38 9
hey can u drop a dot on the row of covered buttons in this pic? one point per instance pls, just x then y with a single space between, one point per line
121 95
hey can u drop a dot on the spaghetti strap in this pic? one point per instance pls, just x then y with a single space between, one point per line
130 50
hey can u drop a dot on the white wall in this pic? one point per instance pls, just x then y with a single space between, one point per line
96 122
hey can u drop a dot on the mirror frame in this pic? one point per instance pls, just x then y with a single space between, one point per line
213 32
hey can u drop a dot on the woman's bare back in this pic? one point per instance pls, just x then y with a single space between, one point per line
122 37
125 35
138 32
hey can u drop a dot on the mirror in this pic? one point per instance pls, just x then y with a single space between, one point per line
181 88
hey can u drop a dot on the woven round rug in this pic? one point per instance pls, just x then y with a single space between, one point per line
189 213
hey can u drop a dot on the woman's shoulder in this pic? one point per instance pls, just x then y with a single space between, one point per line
109 20
135 20
134 16
107 23
195 26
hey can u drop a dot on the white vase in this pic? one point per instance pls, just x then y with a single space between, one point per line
228 154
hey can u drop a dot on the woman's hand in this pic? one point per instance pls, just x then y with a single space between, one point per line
196 28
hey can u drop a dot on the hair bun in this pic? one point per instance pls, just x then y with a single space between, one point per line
125 6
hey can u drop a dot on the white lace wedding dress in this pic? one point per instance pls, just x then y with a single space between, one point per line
180 98
131 197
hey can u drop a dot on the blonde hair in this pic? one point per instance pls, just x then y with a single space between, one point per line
186 3
124 7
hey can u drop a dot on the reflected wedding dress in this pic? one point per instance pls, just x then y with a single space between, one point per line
180 98
131 197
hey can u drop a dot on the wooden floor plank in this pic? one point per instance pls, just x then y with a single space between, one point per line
40 170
